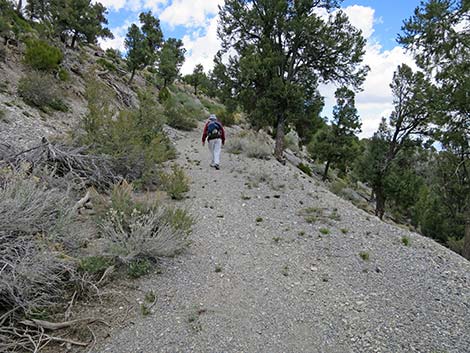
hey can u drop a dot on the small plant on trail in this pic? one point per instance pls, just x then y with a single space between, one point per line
218 268
405 241
305 168
259 219
324 231
175 183
139 267
95 265
364 255
344 230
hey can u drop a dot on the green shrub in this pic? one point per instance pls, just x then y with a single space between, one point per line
364 255
63 75
324 231
254 145
105 64
113 54
40 91
95 265
455 244
338 187
291 141
405 241
175 183
226 118
138 268
42 56
177 117
2 115
305 168
164 94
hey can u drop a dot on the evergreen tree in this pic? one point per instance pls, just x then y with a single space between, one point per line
283 49
438 35
197 78
170 60
337 144
143 45
409 119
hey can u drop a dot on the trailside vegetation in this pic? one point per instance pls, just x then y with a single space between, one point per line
284 50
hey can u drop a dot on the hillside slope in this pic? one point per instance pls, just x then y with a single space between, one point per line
280 264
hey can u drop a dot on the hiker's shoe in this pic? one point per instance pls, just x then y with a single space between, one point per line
217 167
213 165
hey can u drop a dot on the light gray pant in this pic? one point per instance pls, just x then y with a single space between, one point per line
215 146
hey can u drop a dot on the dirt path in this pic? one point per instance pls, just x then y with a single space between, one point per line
261 277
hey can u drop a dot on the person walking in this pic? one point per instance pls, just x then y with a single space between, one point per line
215 135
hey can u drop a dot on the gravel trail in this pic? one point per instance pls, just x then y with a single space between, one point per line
275 266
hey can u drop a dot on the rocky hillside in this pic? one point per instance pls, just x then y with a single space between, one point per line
277 262
280 264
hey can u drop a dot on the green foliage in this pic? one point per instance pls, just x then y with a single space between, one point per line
2 115
137 230
305 168
105 64
259 219
225 117
277 77
176 183
182 111
324 231
39 55
139 267
95 265
337 144
164 94
254 145
142 43
364 255
170 60
41 91
405 241
135 136
197 78
63 75
436 34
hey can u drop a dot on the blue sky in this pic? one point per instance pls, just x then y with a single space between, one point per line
195 22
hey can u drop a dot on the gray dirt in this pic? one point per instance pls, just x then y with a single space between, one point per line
259 278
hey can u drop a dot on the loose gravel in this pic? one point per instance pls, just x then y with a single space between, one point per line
279 264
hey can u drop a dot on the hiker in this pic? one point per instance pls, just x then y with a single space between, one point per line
215 134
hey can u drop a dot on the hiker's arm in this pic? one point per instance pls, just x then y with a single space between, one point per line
204 135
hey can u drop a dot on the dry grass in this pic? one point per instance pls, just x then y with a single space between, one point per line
252 144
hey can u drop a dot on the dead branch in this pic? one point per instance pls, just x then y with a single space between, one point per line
52 326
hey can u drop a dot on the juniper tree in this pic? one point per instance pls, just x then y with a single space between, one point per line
336 144
408 121
143 44
438 34
284 49
197 77
170 60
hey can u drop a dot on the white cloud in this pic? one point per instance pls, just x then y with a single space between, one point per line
113 5
361 17
201 47
190 13
375 101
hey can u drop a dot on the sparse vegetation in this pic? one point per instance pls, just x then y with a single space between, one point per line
324 231
139 267
40 90
142 230
218 268
259 219
252 144
311 214
39 55
364 255
175 183
405 240
305 168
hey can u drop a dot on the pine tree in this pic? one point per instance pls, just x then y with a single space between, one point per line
170 60
283 50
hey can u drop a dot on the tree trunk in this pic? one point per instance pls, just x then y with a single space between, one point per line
279 145
466 239
132 77
195 90
325 173
19 6
379 202
74 39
